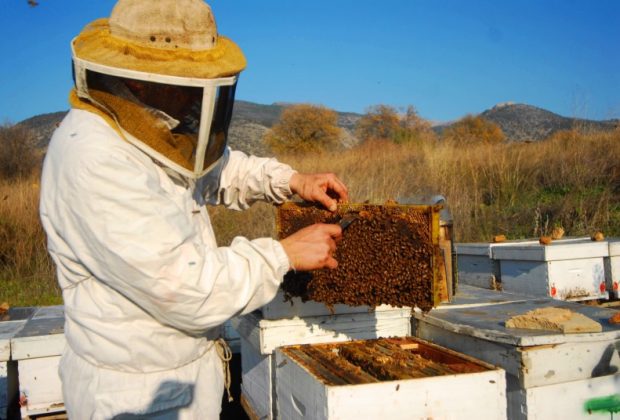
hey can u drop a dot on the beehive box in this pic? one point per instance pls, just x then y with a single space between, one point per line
542 367
389 255
288 307
563 270
11 323
476 266
398 378
612 268
36 349
260 337
479 266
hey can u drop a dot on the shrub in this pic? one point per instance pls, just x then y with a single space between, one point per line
383 122
18 155
304 128
473 129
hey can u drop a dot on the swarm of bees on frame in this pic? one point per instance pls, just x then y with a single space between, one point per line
385 256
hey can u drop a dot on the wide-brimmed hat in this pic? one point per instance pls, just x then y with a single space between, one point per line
167 37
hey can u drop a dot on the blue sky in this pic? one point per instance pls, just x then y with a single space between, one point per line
447 58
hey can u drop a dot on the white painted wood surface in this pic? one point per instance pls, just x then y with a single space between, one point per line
302 396
8 330
3 390
612 268
267 335
260 337
562 401
16 319
572 279
477 270
42 336
533 366
231 337
39 386
557 250
487 321
541 366
479 263
278 308
257 380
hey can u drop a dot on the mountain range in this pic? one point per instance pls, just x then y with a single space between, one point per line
519 122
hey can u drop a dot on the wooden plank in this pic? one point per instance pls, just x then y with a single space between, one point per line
4 387
267 335
49 312
39 386
566 400
247 407
41 336
476 395
533 365
257 380
278 308
8 329
488 322
557 250
38 346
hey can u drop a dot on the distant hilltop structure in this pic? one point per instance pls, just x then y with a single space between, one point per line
503 104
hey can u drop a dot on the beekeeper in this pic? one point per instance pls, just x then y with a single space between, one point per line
125 184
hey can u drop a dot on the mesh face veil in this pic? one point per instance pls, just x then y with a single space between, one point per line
183 126
165 77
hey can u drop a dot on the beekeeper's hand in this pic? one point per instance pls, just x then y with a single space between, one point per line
312 247
321 188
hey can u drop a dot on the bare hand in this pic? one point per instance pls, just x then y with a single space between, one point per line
315 187
312 247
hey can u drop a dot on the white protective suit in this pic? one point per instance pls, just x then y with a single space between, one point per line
144 284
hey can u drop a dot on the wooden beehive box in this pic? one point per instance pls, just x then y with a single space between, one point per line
36 349
390 254
397 378
612 268
476 266
563 270
542 367
260 337
11 324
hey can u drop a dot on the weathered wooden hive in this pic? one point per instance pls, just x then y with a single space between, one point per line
390 254
399 378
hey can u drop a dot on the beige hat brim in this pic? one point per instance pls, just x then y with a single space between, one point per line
96 44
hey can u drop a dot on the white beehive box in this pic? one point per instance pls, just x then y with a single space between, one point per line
541 366
279 308
37 349
10 324
475 265
304 393
612 268
260 337
564 270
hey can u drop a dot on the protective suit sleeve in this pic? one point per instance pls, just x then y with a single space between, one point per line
247 179
140 240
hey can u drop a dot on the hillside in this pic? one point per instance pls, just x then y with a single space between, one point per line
249 123
520 122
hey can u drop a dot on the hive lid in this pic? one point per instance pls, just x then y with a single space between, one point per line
614 247
557 250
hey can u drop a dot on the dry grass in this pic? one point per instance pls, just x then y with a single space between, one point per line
26 271
516 189
520 190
